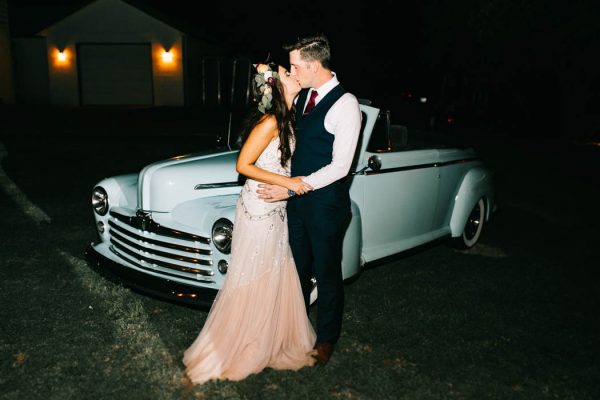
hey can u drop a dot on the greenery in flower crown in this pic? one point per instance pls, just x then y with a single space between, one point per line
265 80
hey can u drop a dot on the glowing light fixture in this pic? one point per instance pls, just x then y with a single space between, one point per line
167 56
61 58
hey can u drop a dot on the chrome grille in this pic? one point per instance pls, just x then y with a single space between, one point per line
150 246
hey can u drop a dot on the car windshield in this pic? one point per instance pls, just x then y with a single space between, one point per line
388 137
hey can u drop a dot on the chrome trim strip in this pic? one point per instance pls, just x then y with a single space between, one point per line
160 263
149 225
116 252
161 253
459 161
421 166
158 242
215 185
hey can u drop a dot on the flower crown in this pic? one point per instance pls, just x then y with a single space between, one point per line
265 80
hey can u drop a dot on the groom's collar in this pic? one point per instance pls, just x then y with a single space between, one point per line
326 87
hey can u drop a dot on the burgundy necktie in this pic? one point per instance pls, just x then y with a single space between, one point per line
311 102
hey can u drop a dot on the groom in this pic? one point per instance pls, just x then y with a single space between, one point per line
328 122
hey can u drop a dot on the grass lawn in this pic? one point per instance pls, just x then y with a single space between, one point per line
514 318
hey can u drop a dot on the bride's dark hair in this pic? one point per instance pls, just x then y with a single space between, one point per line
278 108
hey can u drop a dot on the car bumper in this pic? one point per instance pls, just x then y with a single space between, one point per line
148 284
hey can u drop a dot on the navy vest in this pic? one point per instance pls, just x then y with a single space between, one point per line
314 144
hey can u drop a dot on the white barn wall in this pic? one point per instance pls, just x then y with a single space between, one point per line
113 21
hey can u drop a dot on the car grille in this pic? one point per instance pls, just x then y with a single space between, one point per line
150 246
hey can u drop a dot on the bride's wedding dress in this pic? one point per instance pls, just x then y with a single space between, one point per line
258 319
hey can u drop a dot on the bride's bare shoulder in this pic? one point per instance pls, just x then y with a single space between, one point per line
268 120
268 125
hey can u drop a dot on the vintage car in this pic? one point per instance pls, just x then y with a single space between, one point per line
167 230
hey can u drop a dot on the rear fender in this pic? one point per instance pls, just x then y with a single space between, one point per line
476 183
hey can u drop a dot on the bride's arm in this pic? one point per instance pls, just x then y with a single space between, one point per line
257 142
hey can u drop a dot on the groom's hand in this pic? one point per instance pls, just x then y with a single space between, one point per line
272 193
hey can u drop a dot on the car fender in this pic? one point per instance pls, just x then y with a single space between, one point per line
475 184
352 245
200 214
121 190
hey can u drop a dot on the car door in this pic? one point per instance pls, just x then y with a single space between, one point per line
400 195
399 202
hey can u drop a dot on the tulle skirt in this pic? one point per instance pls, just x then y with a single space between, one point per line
258 319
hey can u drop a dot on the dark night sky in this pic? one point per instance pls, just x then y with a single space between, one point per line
363 37
529 59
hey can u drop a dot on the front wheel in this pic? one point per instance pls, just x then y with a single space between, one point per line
473 227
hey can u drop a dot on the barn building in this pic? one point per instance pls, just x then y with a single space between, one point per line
121 53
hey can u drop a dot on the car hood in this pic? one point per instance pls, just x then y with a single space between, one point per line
164 184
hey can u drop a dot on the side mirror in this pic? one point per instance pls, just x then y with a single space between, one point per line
374 163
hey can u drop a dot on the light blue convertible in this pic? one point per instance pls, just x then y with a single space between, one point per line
167 230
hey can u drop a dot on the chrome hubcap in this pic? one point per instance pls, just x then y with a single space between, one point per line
473 222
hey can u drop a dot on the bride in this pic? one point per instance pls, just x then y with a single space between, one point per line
258 318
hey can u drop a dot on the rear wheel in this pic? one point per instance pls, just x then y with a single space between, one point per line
473 227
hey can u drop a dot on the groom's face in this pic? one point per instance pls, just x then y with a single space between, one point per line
300 69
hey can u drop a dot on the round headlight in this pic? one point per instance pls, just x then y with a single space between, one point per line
100 200
221 235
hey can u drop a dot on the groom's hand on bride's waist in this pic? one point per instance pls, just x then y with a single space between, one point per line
272 193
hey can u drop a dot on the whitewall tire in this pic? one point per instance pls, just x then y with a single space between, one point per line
473 227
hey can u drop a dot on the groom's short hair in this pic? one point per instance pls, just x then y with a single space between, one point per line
312 48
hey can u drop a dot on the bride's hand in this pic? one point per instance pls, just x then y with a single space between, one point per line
298 185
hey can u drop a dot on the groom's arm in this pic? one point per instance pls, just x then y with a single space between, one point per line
272 193
344 121
346 130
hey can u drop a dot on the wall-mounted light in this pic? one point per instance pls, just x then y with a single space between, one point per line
167 56
62 58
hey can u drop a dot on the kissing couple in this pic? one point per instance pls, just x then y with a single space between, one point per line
298 144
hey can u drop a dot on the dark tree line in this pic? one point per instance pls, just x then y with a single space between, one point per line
522 67
536 60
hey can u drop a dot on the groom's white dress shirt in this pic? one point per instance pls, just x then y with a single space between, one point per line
343 120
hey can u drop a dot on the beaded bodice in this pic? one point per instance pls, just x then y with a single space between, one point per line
255 208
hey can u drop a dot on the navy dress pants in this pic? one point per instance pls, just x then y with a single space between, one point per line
317 223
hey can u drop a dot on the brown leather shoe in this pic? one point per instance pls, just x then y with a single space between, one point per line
324 350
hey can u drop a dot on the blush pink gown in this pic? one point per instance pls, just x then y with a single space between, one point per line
258 319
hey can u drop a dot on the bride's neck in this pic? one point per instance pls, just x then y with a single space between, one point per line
289 100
